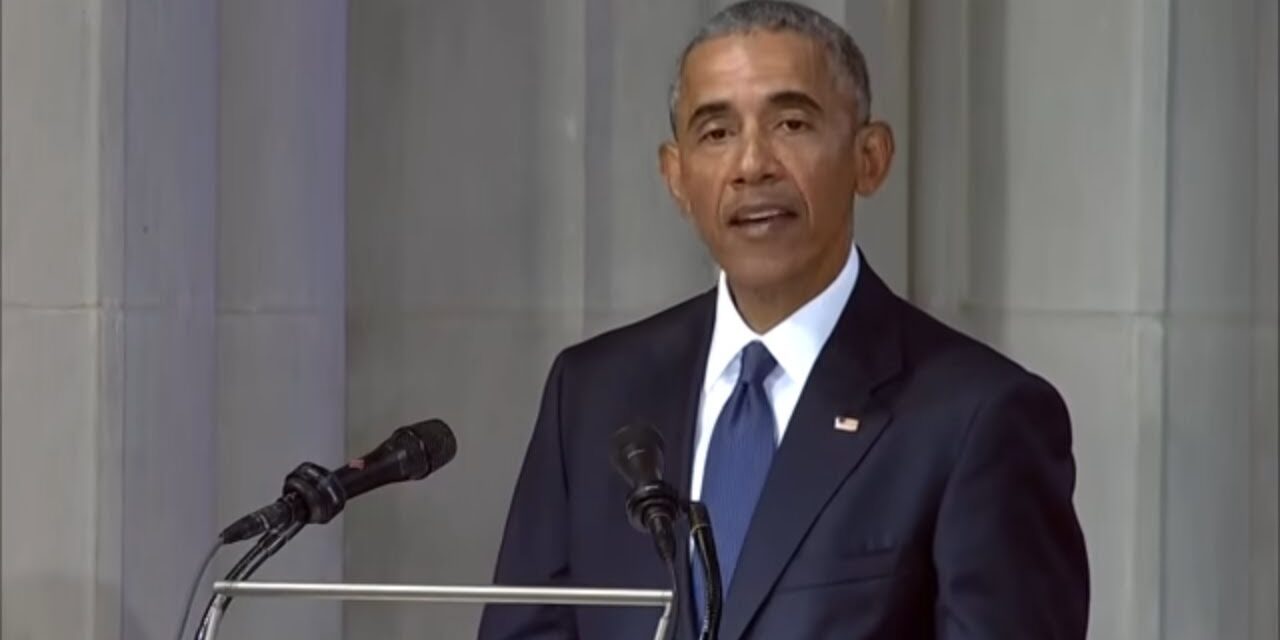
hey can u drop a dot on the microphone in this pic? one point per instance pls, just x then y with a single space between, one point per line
652 505
314 495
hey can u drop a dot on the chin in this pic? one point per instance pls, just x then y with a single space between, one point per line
759 272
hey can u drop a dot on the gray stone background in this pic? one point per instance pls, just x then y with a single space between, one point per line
241 234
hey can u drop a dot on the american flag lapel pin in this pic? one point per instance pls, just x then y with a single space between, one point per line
846 424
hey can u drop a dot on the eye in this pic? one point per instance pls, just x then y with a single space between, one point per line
793 125
716 134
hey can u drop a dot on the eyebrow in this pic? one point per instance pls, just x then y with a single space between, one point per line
790 98
707 111
795 99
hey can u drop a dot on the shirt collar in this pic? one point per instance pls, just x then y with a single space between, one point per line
795 342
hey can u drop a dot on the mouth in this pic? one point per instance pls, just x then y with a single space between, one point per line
762 220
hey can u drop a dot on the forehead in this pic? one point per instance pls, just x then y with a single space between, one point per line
753 64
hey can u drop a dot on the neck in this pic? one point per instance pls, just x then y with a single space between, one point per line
765 307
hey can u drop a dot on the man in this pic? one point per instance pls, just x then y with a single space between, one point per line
869 472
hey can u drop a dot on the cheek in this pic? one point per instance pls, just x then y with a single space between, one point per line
702 189
825 180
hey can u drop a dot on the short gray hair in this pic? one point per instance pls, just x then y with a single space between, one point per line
844 56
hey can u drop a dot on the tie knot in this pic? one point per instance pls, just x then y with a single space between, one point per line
757 363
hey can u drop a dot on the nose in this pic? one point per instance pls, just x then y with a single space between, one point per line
756 163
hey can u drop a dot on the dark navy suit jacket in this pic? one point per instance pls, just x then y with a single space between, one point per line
946 514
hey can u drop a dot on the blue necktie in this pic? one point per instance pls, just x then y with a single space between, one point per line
742 446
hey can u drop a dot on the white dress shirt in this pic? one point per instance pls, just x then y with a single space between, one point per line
795 343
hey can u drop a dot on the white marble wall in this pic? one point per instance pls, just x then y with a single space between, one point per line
1038 133
107 352
466 268
1089 200
1264 518
53 315
281 283
165 361
173 301
1220 489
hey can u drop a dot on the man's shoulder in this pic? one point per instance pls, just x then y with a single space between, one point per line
940 352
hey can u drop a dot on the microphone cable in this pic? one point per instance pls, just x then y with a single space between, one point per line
267 546
195 587
676 609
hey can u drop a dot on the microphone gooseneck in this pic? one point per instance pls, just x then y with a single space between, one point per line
705 542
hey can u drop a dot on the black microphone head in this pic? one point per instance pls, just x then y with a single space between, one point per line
436 441
409 453
637 454
652 505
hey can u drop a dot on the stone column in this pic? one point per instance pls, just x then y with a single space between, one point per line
1039 226
281 282
1096 196
54 319
1220 534
110 115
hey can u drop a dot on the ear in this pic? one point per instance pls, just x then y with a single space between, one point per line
874 146
669 165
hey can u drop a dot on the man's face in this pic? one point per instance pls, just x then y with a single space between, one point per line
767 157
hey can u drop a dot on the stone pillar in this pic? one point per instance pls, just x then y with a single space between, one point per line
53 583
173 325
1039 225
1220 494
883 32
1264 517
109 189
1090 197
640 254
470 173
164 371
281 282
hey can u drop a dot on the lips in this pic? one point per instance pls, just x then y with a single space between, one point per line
760 214
762 221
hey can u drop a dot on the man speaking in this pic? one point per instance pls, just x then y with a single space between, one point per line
869 472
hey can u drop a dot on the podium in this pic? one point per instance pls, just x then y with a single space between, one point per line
441 594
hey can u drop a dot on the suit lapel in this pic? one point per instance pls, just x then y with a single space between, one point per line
815 458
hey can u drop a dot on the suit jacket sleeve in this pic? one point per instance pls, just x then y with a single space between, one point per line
535 545
1008 549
